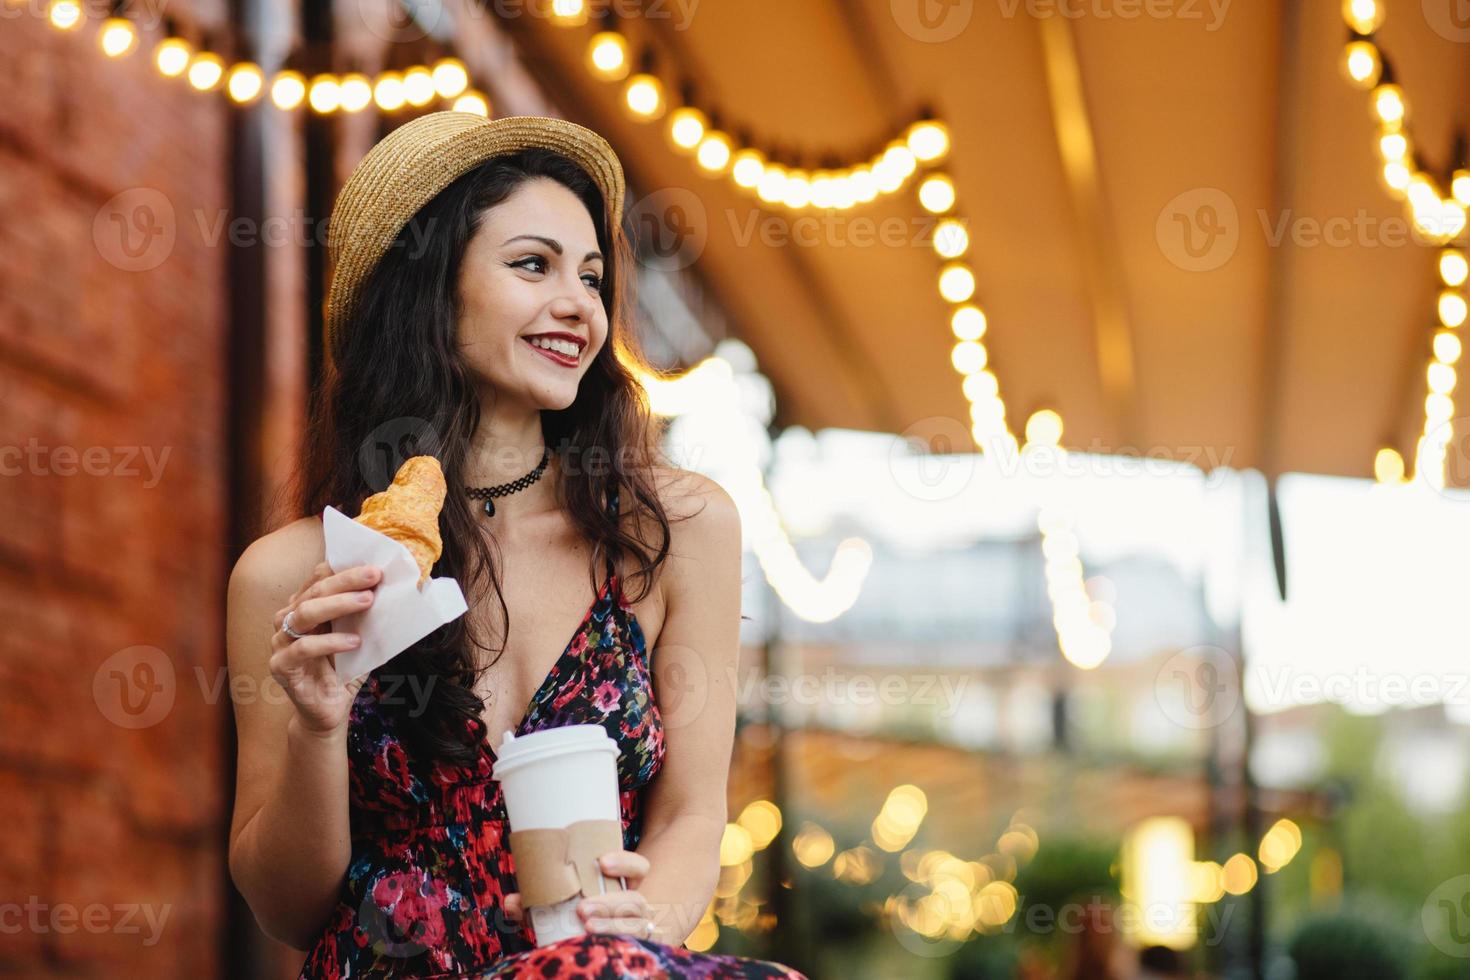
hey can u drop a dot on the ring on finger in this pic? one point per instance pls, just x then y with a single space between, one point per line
286 628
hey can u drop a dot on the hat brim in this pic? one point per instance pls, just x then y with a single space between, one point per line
410 166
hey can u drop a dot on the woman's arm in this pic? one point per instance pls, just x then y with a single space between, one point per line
289 835
694 682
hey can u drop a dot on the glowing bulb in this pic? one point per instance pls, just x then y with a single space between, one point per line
1460 187
644 97
1441 378
748 168
1390 106
244 82
324 94
1393 146
951 239
772 185
172 56
798 189
898 162
117 37
937 194
1453 267
607 56
473 102
288 88
1363 16
981 386
418 86
1451 308
967 323
1388 466
1361 64
1397 177
568 13
206 70
65 15
450 77
1044 428
357 92
1438 408
686 128
714 153
968 356
864 184
928 140
388 92
1447 346
956 282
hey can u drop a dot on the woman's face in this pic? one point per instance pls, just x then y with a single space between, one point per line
533 271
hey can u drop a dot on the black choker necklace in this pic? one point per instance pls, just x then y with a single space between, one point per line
488 494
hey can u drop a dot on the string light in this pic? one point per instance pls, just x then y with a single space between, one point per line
244 82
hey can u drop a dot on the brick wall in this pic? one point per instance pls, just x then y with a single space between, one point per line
112 513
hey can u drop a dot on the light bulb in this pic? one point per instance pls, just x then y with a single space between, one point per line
450 77
928 140
686 128
644 97
607 56
473 102
288 88
418 86
748 168
714 153
117 37
206 71
967 322
172 56
324 94
937 193
1363 16
956 282
1453 267
245 82
356 92
951 239
388 92
1362 65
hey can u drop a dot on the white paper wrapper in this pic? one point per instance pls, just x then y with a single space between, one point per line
401 613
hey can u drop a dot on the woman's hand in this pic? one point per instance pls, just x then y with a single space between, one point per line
306 668
625 911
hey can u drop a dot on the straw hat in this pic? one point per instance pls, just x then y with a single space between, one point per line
416 161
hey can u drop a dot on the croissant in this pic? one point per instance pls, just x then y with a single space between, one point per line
408 511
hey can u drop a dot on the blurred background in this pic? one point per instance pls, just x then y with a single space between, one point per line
1085 372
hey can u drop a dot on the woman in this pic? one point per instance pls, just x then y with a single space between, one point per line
480 291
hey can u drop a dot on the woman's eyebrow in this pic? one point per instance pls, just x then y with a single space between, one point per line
550 243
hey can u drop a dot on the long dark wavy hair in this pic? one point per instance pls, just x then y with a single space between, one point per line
396 386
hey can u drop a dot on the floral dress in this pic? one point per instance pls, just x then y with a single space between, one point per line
431 861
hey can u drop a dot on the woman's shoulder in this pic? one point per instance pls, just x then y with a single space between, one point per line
283 558
686 494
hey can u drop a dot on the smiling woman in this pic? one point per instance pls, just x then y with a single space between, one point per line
373 834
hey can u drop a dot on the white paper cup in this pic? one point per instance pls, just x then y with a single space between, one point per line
552 778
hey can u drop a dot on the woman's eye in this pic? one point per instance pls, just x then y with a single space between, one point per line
530 259
594 280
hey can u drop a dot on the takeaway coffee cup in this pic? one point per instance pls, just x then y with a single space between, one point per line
561 795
